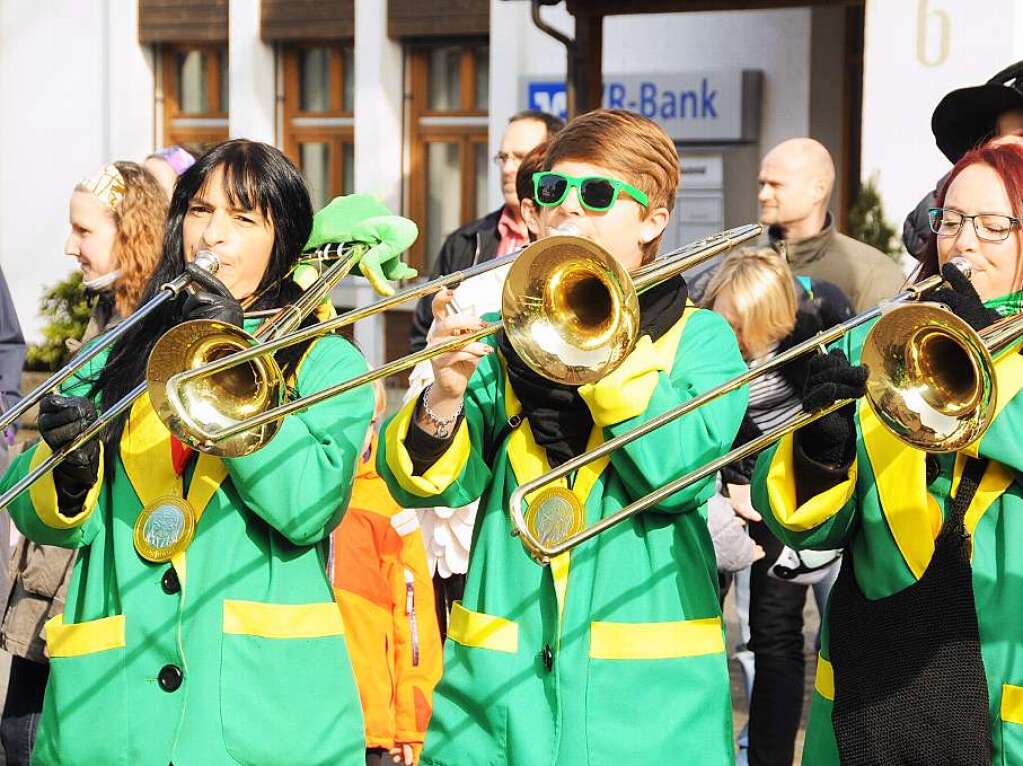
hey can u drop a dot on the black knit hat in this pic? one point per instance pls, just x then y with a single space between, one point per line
968 116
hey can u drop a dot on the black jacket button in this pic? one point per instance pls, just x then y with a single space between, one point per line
170 678
170 582
548 657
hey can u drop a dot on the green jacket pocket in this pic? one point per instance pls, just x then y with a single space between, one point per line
292 659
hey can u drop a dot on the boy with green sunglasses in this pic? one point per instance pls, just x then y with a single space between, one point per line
541 662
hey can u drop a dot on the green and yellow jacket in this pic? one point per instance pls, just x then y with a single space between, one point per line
614 654
887 517
234 652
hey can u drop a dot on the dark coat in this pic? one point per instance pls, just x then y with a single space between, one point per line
916 230
12 349
474 243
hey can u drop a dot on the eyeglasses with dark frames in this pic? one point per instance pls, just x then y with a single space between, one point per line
990 227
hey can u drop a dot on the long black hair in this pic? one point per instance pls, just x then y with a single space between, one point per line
256 176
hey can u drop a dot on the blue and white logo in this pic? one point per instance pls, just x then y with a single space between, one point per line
719 106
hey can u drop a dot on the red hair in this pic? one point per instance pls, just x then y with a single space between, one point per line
1003 157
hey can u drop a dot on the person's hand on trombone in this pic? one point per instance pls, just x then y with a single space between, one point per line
62 419
210 300
831 440
442 400
962 299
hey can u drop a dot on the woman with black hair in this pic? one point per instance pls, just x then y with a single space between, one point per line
226 647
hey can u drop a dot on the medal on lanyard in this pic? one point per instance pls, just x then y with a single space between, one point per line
164 529
554 514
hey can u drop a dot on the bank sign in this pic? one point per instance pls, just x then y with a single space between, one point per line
718 105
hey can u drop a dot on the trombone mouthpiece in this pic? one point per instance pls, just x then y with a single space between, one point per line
207 261
963 265
567 230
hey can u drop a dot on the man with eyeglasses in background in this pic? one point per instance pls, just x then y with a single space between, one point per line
499 232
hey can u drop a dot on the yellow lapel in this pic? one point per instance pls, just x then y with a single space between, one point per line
900 477
528 461
902 491
146 456
993 483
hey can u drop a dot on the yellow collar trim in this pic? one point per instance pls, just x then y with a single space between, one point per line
146 456
528 461
900 477
1008 383
901 484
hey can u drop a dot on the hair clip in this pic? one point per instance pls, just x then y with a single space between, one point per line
107 184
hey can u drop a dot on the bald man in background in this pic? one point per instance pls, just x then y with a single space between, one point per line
796 180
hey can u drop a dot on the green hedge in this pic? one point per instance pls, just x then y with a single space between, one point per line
67 310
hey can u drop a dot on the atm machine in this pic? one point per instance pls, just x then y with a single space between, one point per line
717 190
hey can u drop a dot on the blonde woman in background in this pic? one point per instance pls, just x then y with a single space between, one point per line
116 219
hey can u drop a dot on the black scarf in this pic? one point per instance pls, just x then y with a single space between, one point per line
558 416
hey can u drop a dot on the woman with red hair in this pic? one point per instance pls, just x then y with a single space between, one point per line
922 650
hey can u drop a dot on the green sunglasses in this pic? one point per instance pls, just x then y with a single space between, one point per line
596 193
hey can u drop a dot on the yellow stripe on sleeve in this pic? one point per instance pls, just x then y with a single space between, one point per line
781 491
44 494
438 477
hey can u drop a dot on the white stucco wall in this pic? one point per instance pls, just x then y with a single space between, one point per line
251 72
76 90
915 52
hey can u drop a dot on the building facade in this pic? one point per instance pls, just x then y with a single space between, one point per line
408 98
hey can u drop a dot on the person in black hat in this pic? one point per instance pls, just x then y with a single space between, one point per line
963 119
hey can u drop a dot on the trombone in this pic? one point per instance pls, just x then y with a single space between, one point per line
570 310
195 342
206 262
931 383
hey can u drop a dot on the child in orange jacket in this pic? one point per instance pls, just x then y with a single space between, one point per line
382 585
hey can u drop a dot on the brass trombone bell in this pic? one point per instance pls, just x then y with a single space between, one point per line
570 310
931 378
213 402
236 393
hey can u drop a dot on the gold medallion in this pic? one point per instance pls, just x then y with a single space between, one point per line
164 529
554 515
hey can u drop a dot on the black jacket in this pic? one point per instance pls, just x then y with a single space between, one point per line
916 231
12 349
474 243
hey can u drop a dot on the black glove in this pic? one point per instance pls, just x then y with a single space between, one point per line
831 440
211 301
962 299
61 420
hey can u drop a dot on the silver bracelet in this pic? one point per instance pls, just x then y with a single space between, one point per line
442 426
